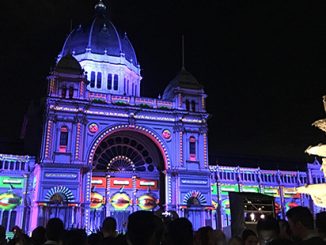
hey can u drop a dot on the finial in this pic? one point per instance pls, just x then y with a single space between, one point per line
183 53
100 7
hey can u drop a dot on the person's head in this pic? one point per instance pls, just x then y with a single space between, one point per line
285 231
94 239
267 229
235 241
205 236
38 235
249 237
219 237
54 229
17 231
2 232
301 221
143 228
180 232
321 223
74 237
109 226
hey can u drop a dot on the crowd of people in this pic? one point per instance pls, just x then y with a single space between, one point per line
146 228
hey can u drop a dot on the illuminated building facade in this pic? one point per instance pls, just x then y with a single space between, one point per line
108 151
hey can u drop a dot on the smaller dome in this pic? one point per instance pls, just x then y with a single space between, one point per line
185 80
68 64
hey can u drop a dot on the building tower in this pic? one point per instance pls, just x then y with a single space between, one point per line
107 151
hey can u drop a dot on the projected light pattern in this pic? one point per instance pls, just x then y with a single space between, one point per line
194 198
59 194
123 154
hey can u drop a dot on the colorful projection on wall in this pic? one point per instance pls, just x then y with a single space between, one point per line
147 202
289 205
252 189
99 182
59 194
194 198
120 201
226 188
277 208
96 200
290 193
144 184
126 183
8 182
226 206
9 201
215 204
166 134
271 191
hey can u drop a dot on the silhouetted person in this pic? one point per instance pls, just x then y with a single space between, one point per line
180 232
285 231
204 236
74 237
109 230
235 241
38 236
268 232
219 237
19 238
321 224
3 239
94 239
143 228
54 230
301 223
249 237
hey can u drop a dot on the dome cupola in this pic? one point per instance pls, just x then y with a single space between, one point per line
106 55
183 80
186 92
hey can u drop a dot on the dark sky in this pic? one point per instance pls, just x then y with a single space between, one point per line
263 63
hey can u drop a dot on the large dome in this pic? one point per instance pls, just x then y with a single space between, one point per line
99 37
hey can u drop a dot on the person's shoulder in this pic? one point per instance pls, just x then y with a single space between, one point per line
281 241
313 241
49 242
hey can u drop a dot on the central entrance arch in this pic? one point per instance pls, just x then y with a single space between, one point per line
127 175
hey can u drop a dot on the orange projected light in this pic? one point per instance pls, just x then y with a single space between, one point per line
96 200
120 201
147 202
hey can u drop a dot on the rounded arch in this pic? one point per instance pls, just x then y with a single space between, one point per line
139 129
194 198
59 194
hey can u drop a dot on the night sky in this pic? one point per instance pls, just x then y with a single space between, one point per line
262 63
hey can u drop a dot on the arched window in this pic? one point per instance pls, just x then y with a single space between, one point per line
192 148
63 139
99 80
63 92
109 85
71 92
187 105
127 86
116 81
132 89
92 79
193 105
